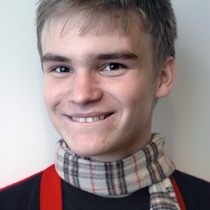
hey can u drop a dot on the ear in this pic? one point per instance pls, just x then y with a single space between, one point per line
165 78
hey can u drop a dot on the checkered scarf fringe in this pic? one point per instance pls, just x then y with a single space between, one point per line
149 167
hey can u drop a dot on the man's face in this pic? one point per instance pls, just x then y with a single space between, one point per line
99 90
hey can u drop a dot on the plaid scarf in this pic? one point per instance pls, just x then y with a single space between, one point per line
149 167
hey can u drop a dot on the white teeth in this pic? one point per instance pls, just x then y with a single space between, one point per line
88 119
96 118
102 117
81 119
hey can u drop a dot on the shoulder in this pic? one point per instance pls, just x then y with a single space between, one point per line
22 195
195 191
191 181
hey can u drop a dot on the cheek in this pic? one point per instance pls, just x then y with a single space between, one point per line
48 93
137 98
52 94
131 93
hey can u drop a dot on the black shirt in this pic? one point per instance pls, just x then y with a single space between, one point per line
76 199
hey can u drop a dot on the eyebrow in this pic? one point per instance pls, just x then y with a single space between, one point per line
124 55
54 58
116 55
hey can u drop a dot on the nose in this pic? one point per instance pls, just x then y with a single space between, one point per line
85 88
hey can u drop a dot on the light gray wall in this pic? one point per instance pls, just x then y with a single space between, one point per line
184 117
27 138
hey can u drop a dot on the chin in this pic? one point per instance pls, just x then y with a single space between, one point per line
92 153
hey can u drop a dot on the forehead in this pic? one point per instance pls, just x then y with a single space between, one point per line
92 22
62 34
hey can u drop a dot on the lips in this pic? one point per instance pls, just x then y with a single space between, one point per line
89 119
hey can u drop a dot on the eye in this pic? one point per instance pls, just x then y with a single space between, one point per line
61 69
113 66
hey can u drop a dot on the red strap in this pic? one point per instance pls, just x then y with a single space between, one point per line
50 190
178 194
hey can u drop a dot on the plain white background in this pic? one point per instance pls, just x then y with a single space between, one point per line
27 138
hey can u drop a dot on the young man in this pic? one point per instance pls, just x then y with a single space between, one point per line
105 64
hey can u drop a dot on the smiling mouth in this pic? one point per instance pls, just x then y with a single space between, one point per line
90 119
